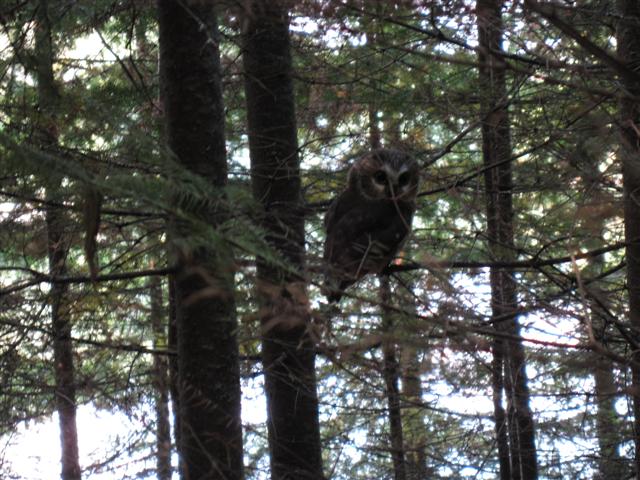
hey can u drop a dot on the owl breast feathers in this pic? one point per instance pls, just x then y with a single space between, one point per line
369 221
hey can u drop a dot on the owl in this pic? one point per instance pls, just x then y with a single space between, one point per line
369 221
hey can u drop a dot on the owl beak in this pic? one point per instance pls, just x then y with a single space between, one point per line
393 188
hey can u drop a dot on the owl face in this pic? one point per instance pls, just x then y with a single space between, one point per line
385 174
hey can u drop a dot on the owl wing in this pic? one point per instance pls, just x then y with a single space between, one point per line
362 237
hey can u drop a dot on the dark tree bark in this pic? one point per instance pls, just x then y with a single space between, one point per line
390 364
57 247
414 431
413 418
496 149
500 416
628 34
160 382
208 363
287 349
172 340
610 465
391 374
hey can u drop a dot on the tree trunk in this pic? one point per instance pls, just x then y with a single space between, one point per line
57 246
496 149
589 156
390 365
500 417
391 374
414 430
610 465
174 389
287 349
208 362
160 382
629 52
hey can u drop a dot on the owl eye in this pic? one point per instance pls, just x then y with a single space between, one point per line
380 177
403 179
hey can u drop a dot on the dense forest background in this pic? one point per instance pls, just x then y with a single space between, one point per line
165 169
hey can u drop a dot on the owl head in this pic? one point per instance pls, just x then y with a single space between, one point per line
385 174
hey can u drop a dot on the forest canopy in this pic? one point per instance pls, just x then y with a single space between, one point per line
165 173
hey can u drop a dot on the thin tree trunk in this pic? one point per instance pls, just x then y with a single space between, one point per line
210 440
65 396
172 317
610 465
496 148
160 382
57 243
174 389
629 52
288 351
374 129
390 366
414 429
510 390
391 374
500 417
609 434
